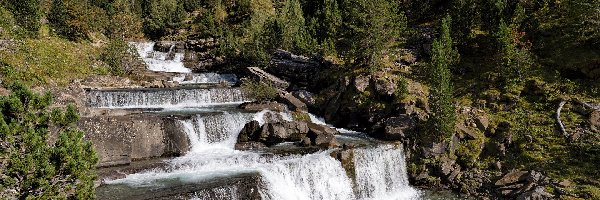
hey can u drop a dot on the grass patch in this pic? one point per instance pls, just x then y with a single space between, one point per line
50 61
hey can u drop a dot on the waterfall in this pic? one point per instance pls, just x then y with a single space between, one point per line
206 78
160 61
215 130
381 173
160 98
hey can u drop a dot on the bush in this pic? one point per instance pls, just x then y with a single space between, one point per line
117 55
27 14
74 20
30 168
259 90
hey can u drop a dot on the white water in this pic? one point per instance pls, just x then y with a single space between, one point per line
381 173
160 61
165 98
206 78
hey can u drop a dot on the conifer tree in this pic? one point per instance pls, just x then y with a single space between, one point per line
30 167
443 55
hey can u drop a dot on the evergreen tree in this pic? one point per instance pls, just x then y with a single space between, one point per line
514 58
370 27
27 13
293 31
30 167
443 55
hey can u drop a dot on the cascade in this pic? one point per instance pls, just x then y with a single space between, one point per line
160 61
206 78
381 173
165 98
379 168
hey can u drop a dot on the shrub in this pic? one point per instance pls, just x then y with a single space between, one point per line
27 14
30 167
258 90
117 55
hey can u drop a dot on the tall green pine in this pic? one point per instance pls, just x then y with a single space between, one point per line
443 55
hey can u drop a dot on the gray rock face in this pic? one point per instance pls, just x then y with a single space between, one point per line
297 69
321 135
259 106
274 133
118 140
271 133
293 102
524 185
306 97
396 128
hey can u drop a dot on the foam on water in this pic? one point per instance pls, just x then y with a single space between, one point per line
160 61
176 98
206 78
381 173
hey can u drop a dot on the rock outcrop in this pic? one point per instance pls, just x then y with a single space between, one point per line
524 185
301 133
119 140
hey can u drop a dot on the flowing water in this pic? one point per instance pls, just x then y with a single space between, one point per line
380 168
160 61
165 98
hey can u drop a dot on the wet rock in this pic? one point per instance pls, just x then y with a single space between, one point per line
168 46
120 139
274 133
245 146
249 132
321 135
260 106
361 83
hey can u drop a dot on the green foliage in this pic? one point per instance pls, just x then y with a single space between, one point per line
163 16
30 167
258 90
443 55
291 27
116 55
49 61
74 19
515 59
370 26
7 24
323 20
27 14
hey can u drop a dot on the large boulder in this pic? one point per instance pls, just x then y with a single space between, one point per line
249 132
297 69
292 102
322 135
274 133
306 97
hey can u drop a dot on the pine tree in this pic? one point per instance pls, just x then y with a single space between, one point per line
370 26
443 55
30 167
515 59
